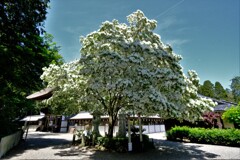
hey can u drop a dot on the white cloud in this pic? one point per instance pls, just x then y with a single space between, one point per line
73 30
169 9
177 42
166 23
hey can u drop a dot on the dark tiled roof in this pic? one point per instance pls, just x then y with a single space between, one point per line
222 107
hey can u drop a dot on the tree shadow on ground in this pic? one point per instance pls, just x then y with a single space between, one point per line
172 150
33 143
164 150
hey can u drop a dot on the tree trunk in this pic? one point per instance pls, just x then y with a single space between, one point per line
113 113
96 121
112 120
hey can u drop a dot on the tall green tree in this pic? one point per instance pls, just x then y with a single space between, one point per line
125 67
235 86
230 96
207 89
219 91
23 54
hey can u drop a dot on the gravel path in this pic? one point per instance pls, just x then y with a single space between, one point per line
40 145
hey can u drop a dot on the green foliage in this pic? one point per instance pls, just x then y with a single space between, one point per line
235 86
215 91
229 137
52 49
232 115
178 133
219 92
207 89
115 143
230 96
121 144
23 54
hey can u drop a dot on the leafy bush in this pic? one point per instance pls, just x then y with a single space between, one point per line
229 137
211 119
232 115
178 133
198 135
7 129
115 143
121 144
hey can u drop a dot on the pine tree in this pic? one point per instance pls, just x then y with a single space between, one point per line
207 89
219 92
235 86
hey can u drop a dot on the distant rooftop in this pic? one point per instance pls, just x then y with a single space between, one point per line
33 118
41 95
222 105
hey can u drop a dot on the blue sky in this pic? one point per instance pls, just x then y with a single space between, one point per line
204 32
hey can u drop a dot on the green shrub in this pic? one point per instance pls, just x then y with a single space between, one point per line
197 135
115 143
121 144
229 137
178 133
232 115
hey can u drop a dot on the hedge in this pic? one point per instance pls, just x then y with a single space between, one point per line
115 143
228 137
121 144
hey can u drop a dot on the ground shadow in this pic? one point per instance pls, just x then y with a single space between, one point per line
164 150
36 142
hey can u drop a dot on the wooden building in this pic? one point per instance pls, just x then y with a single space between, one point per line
151 124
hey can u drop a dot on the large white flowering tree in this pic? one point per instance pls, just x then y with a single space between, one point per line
127 67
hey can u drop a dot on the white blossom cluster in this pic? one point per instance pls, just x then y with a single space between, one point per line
127 67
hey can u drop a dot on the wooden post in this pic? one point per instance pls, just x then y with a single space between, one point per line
140 131
129 135
74 136
27 126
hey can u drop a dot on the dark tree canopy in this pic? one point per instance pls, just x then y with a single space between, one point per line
23 53
207 89
220 92
235 86
216 91
230 96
